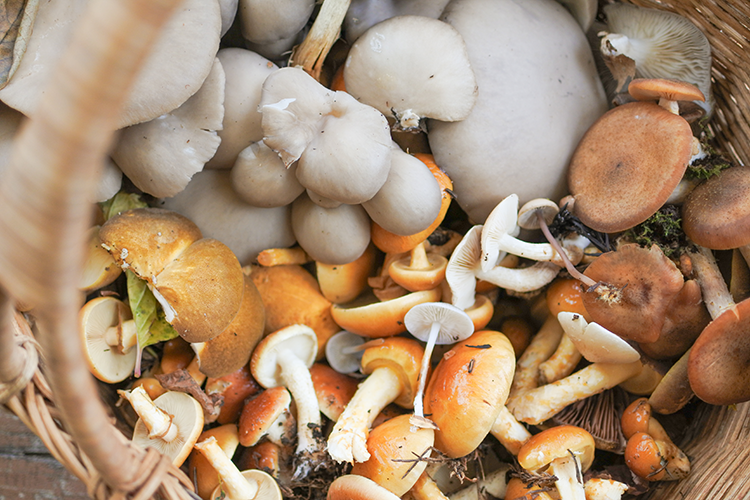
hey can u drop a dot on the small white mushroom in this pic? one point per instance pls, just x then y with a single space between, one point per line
271 25
594 342
412 67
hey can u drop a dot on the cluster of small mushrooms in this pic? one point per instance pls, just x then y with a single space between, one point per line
341 277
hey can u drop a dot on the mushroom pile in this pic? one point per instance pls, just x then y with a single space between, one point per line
398 265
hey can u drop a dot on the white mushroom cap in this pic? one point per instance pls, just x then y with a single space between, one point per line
261 179
340 353
584 11
175 69
594 342
245 71
662 44
299 340
410 199
210 202
162 155
110 181
343 146
268 21
330 235
412 67
228 13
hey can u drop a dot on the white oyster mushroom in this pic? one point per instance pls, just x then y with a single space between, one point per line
209 201
175 69
343 146
535 102
410 199
412 67
228 13
363 14
271 26
162 155
261 179
245 71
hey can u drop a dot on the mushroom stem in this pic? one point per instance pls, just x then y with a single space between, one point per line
509 431
313 50
362 347
419 397
157 421
419 258
495 483
716 294
234 484
296 377
569 477
564 256
348 440
122 336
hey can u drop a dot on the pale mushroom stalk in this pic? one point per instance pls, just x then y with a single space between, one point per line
509 431
158 422
563 255
122 337
569 477
419 397
716 295
234 484
296 377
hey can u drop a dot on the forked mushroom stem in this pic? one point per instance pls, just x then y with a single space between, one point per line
157 421
235 485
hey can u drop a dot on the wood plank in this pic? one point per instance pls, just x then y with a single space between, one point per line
27 470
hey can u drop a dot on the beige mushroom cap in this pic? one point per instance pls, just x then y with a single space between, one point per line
268 21
412 67
105 360
162 155
187 417
261 179
175 70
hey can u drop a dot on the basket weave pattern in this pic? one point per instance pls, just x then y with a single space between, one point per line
727 26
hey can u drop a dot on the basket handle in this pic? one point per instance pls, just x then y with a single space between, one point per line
44 212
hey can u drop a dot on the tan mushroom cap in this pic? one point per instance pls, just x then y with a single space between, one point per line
174 70
392 446
612 175
650 281
404 357
204 286
654 89
187 417
99 269
716 214
260 413
468 389
292 296
341 283
718 367
145 240
105 361
380 319
231 349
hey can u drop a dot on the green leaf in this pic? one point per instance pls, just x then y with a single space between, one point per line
16 22
121 202
160 330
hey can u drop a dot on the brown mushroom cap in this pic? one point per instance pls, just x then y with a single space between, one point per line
557 442
204 286
719 367
261 412
145 240
613 175
467 390
231 349
650 282
716 214
333 389
653 89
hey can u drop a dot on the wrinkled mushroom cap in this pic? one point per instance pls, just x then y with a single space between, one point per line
412 64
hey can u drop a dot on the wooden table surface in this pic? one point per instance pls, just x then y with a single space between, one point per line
27 470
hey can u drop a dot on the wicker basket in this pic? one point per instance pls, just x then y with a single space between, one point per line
58 403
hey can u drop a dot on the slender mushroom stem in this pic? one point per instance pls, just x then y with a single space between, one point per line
419 397
296 377
234 484
564 256
157 421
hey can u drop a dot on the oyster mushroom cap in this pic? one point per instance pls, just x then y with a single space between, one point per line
526 124
162 155
261 179
175 69
268 21
411 67
363 14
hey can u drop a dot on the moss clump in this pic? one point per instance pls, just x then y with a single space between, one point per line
663 229
708 166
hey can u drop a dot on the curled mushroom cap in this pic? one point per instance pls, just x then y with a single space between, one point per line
343 146
393 67
662 44
175 69
611 173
